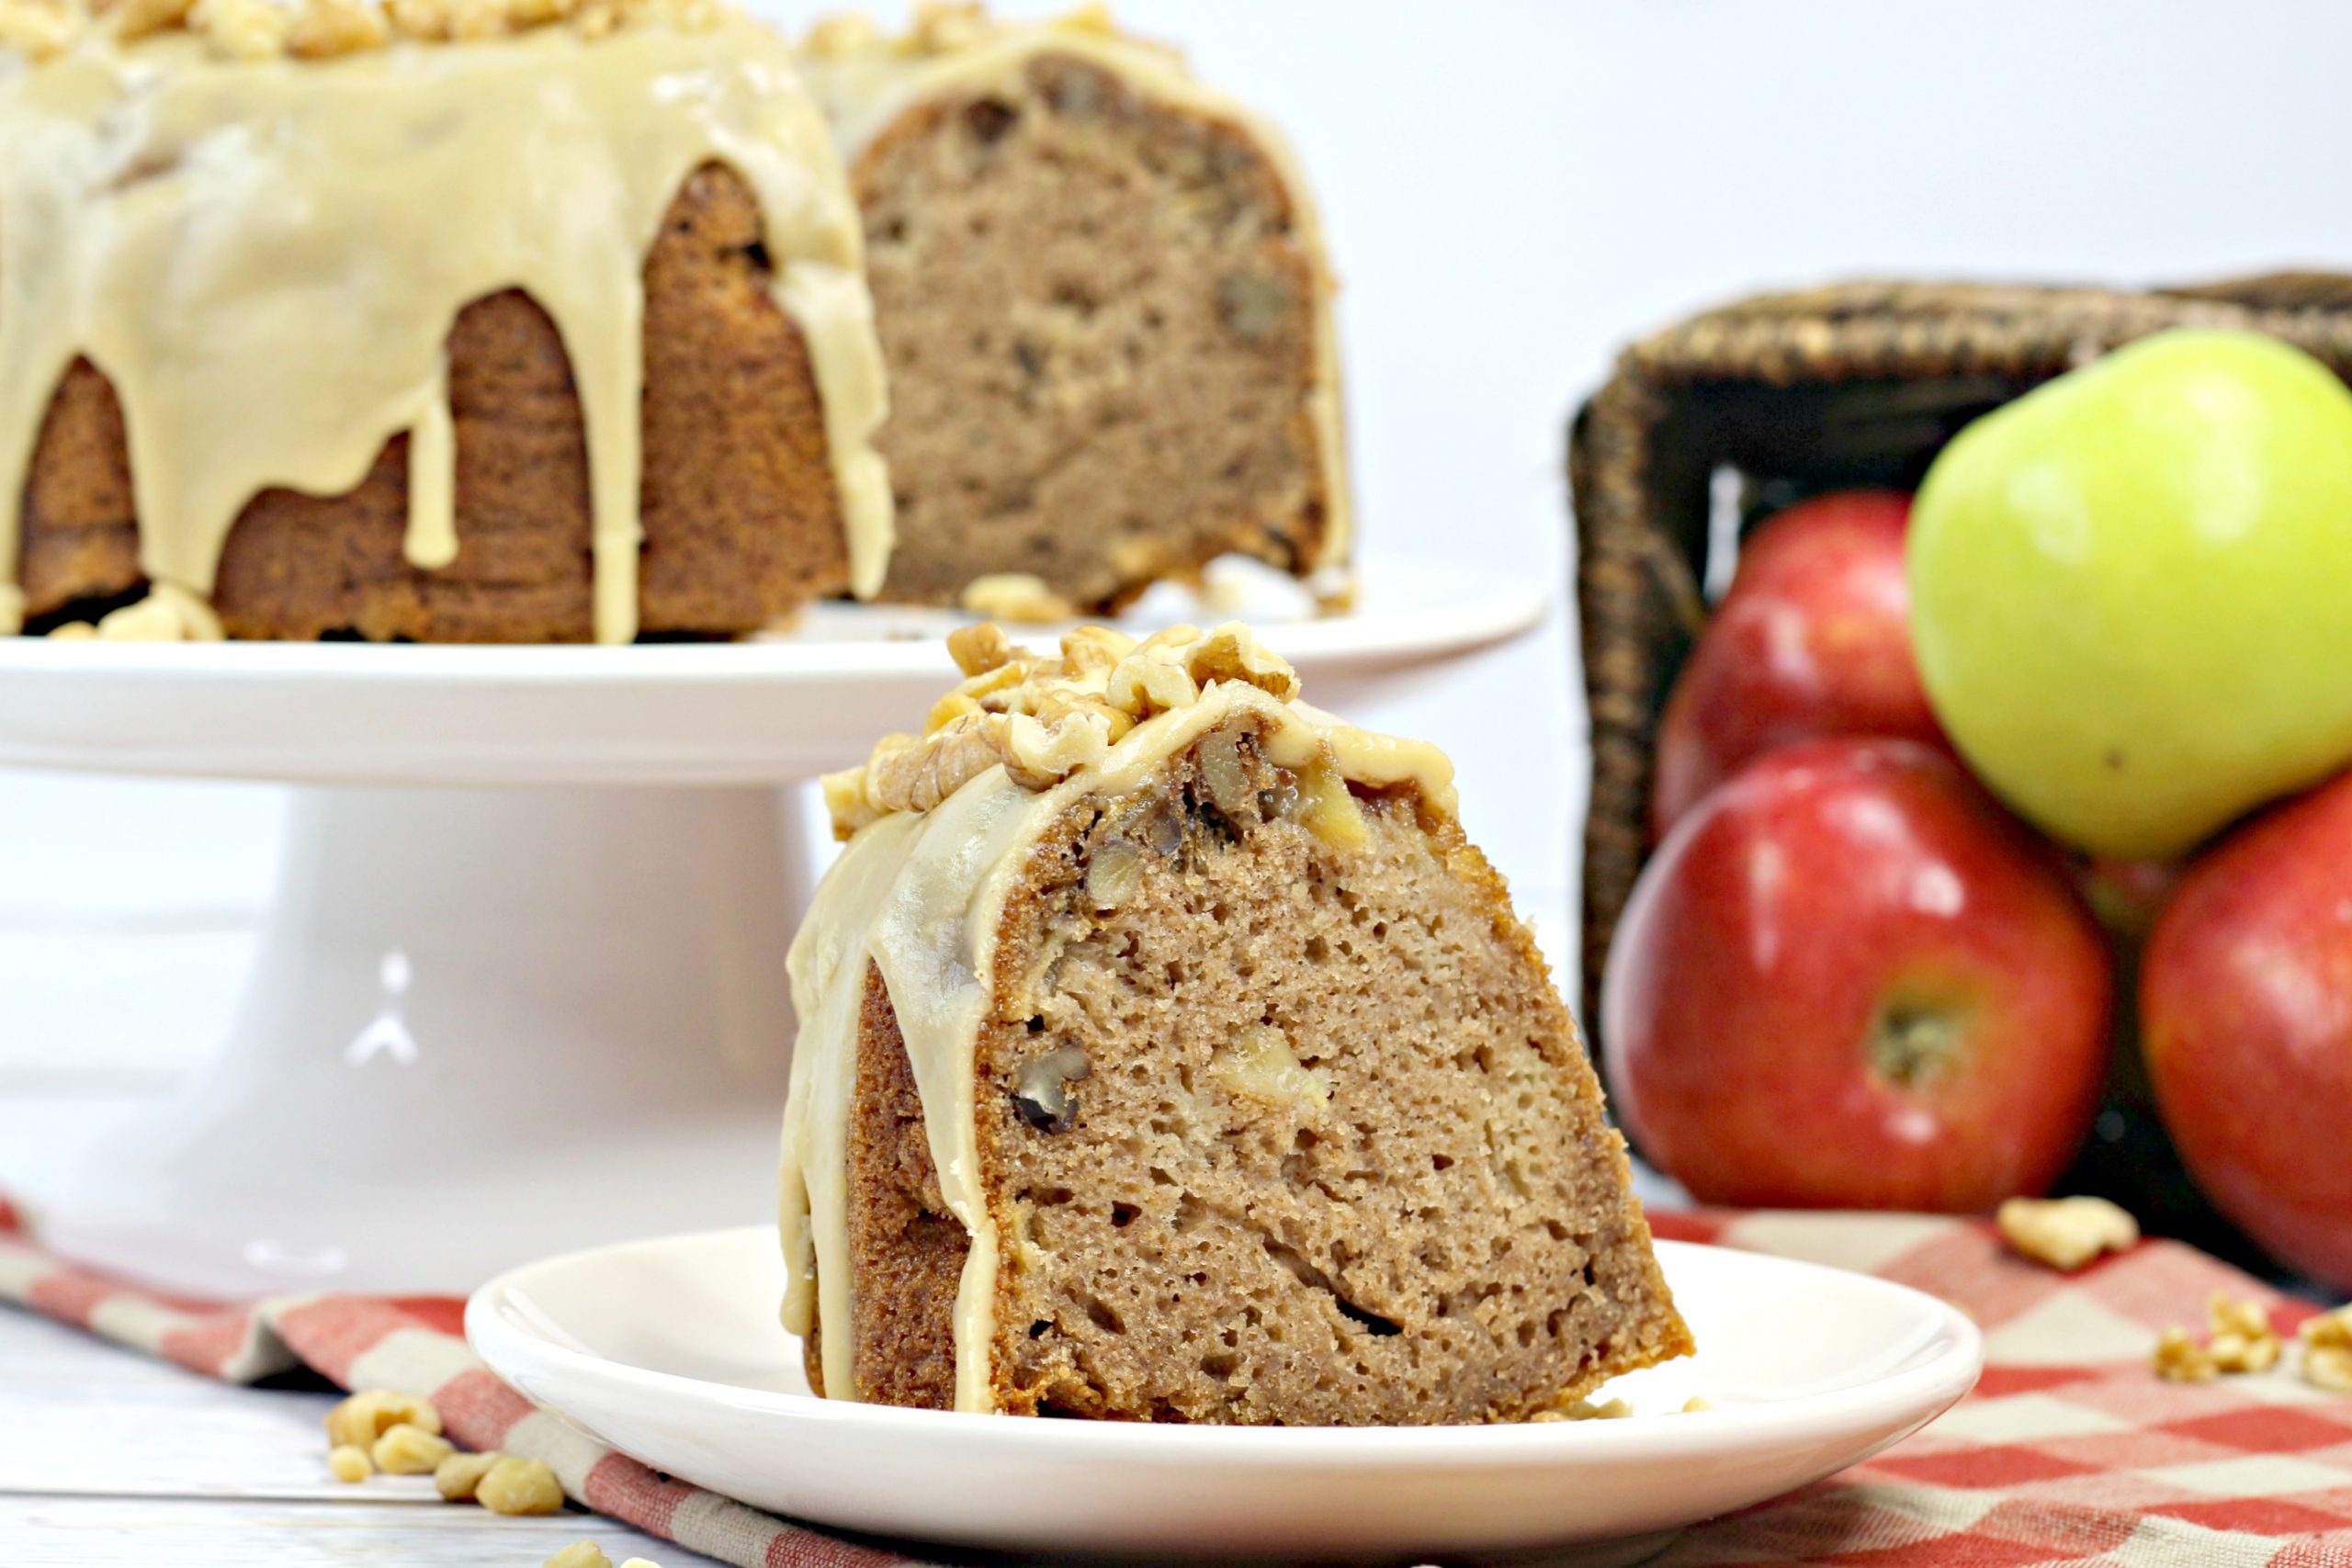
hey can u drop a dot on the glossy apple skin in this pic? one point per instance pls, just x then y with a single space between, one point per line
1813 639
2128 591
1828 887
2245 1012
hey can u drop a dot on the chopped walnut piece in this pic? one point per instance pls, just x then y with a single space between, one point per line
519 1486
2329 1330
1586 1410
2242 1339
409 1450
370 1413
981 648
1017 596
2065 1232
39 29
456 1477
325 29
1143 686
579 1554
132 19
943 27
1231 653
2328 1367
472 21
242 29
838 37
2179 1358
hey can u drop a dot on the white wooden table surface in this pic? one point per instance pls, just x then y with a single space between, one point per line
111 1460
106 1457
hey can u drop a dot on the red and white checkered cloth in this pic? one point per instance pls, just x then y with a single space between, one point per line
2069 1451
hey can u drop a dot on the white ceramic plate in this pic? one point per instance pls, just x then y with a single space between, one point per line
763 711
668 1350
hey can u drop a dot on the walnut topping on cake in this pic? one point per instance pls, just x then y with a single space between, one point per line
40 29
1042 718
941 28
325 29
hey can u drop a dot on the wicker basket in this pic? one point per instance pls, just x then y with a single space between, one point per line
1761 403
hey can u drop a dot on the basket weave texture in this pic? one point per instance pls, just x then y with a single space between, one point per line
1773 399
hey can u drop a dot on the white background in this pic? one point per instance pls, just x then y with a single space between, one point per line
1512 190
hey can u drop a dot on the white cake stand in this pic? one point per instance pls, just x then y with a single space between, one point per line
521 988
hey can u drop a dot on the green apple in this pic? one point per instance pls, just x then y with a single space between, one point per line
2131 590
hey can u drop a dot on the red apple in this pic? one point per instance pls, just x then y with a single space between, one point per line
1849 979
2245 1011
1813 639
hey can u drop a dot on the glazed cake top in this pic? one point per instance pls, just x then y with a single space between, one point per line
321 30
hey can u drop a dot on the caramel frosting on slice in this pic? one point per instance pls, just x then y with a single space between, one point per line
940 829
863 79
264 252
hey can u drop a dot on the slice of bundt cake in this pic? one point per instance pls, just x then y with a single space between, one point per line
1102 296
450 319
1168 1054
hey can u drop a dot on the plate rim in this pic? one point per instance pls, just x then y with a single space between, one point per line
1934 1386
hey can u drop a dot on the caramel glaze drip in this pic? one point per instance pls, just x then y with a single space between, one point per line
265 258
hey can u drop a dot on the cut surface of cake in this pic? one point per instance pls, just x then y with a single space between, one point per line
1102 294
1166 1053
486 321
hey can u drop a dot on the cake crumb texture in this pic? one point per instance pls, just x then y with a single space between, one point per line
1099 316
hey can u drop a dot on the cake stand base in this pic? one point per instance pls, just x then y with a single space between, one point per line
483 1025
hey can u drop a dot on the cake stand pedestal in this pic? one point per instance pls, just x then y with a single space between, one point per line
522 986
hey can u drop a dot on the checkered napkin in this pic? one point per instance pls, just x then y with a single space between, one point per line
2069 1451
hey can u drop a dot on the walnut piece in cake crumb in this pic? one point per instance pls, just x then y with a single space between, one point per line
2065 1232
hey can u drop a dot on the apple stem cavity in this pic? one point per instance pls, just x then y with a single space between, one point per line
1912 1043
